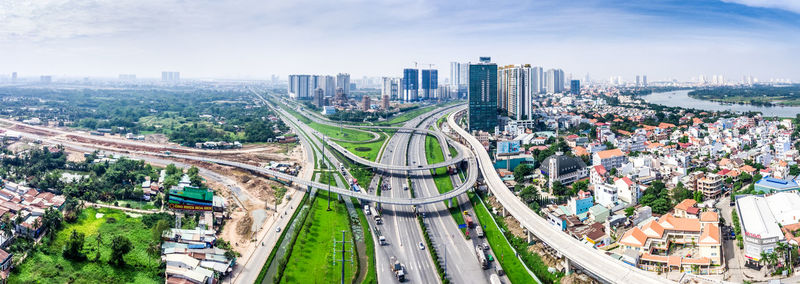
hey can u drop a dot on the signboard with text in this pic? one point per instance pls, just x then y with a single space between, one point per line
190 207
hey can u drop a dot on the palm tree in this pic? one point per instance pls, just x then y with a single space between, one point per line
153 249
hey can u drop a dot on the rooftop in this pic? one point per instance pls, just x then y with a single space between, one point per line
756 217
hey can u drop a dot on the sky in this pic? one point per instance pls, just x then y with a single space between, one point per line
662 39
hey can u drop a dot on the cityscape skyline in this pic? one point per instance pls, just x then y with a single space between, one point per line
603 39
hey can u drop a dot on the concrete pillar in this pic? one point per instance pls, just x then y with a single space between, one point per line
529 236
567 269
450 203
504 212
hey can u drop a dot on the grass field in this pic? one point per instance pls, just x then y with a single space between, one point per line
433 154
46 265
341 133
504 254
372 273
311 257
410 115
367 151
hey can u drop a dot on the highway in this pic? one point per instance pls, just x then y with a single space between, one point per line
604 267
400 226
461 262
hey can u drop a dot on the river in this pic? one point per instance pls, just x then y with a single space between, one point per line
681 99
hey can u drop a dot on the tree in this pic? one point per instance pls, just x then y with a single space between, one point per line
120 246
698 196
559 189
171 169
159 228
629 211
679 193
529 194
74 248
521 171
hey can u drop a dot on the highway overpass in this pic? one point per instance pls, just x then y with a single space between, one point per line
595 262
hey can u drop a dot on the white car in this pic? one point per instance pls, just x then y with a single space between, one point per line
278 229
421 246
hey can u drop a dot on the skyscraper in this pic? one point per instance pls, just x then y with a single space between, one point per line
410 84
455 74
391 87
430 81
482 94
644 80
537 80
14 77
343 81
638 81
554 81
515 91
575 87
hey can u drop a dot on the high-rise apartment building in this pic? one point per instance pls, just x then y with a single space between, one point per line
455 74
430 81
554 81
391 87
514 91
343 81
482 94
300 87
410 85
319 97
170 76
644 80
575 87
638 81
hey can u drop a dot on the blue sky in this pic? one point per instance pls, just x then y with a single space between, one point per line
254 39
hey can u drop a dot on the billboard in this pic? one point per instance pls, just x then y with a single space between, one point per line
190 207
508 147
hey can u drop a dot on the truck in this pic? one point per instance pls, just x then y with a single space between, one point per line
366 210
397 268
479 231
481 257
468 220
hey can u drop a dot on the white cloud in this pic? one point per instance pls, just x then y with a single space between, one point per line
789 5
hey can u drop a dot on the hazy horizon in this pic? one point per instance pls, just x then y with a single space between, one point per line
253 40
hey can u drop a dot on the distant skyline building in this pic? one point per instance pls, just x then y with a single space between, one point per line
343 81
127 77
430 81
299 87
575 87
644 80
46 79
13 77
482 96
638 81
410 85
365 102
554 81
170 76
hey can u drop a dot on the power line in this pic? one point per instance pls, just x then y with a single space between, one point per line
343 253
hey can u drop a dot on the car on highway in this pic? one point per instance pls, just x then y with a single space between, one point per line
278 229
490 257
421 246
485 246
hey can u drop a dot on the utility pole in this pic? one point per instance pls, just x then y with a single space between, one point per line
343 252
